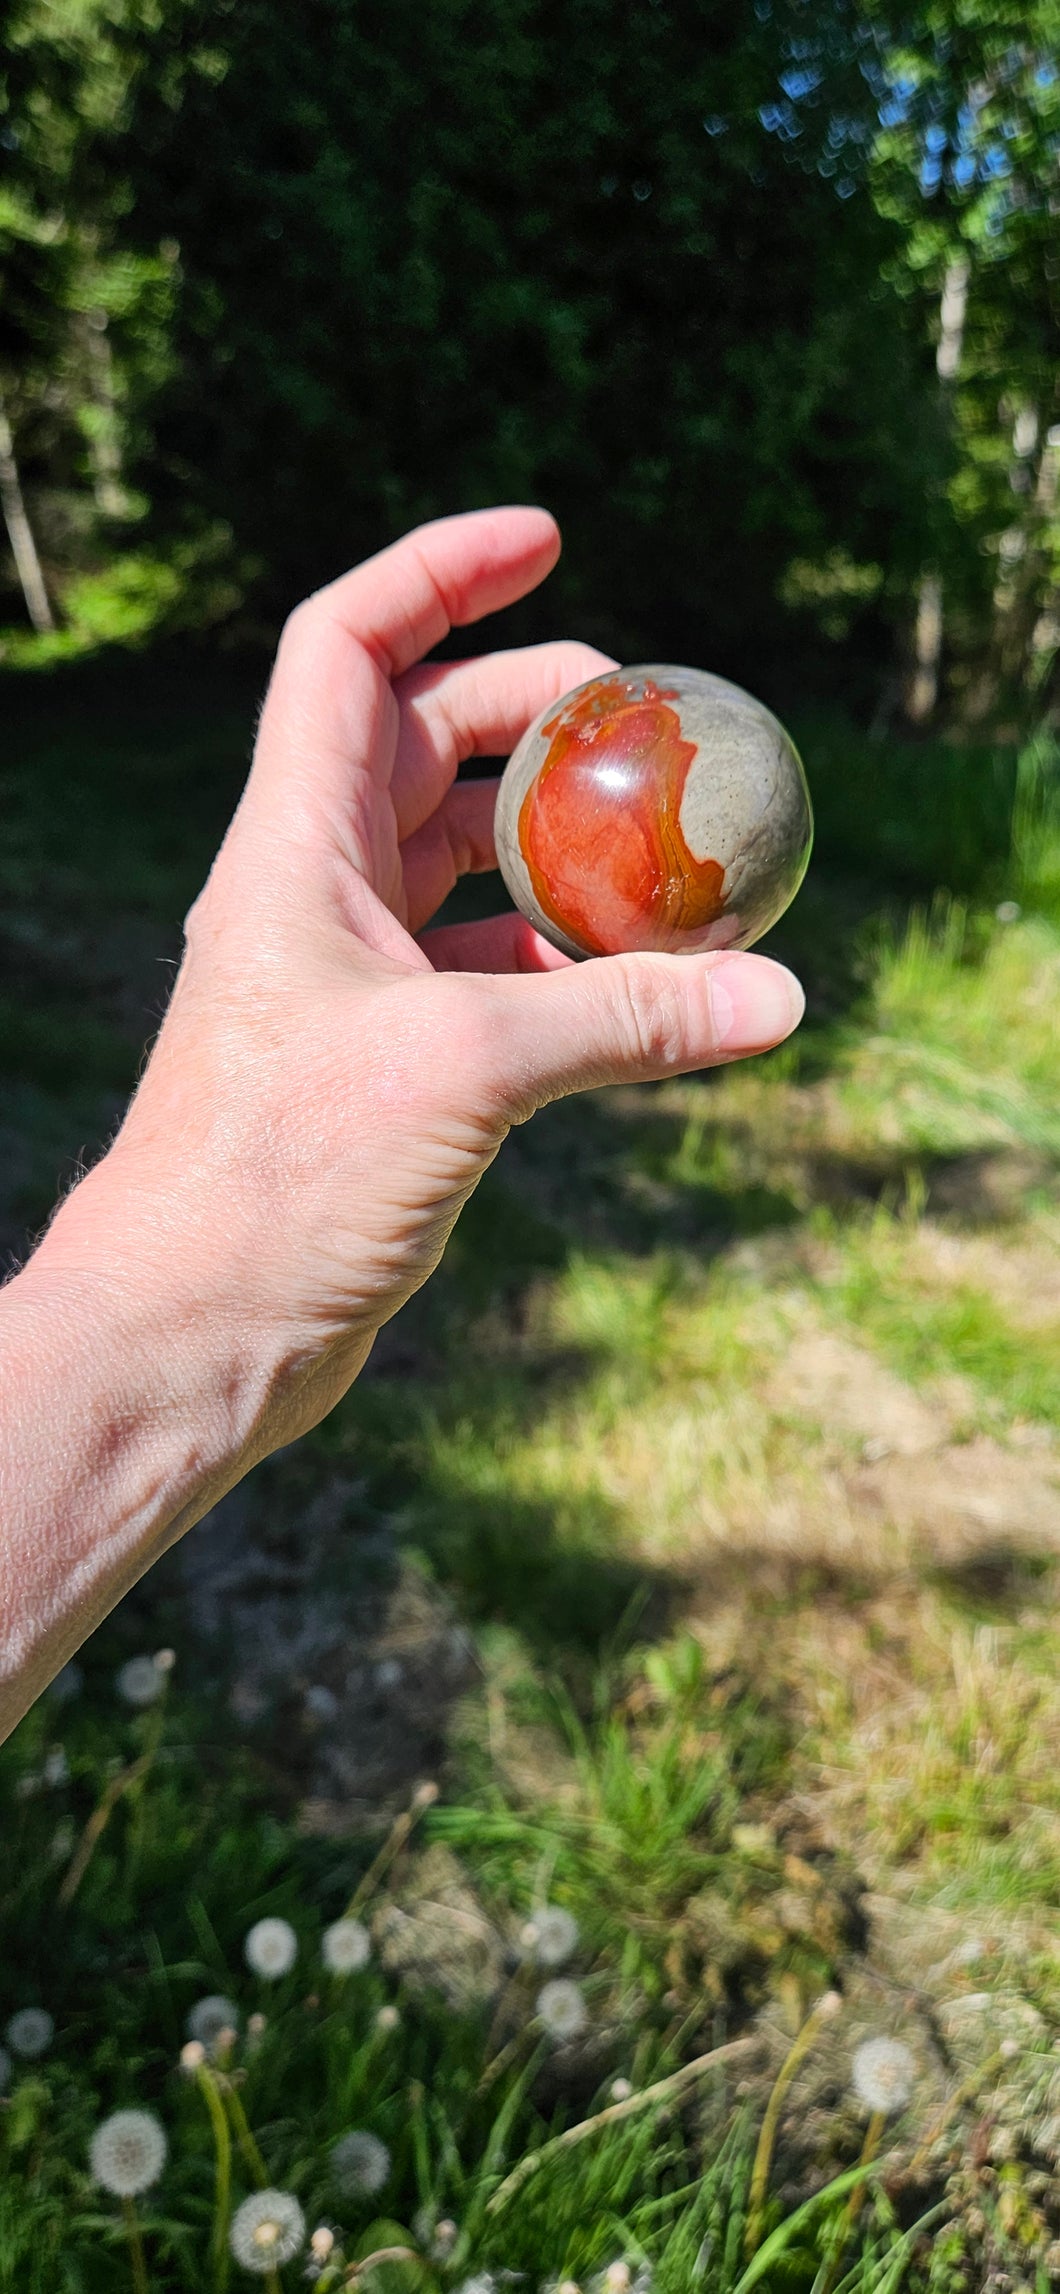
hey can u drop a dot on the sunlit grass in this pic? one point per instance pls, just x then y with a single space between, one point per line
755 1375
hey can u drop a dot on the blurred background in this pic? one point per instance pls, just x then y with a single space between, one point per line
731 1415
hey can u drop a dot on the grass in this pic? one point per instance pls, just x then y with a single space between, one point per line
727 1432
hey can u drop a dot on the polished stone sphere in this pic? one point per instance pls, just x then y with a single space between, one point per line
654 807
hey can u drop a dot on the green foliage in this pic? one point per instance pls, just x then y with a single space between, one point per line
187 1859
585 1414
306 283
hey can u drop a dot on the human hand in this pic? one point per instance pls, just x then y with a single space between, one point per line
327 1088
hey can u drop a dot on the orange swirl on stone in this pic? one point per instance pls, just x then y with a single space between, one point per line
600 825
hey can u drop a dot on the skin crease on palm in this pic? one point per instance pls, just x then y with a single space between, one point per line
330 1082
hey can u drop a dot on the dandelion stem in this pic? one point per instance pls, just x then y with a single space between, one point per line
136 2245
382 2254
98 1822
398 1834
825 2008
958 2095
662 2092
222 2176
255 2164
499 2063
852 2209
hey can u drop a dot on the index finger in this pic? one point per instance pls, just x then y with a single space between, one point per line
406 599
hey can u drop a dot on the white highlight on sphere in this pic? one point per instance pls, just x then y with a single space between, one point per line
128 2152
346 1946
551 1936
271 1948
562 2008
884 2074
209 2017
30 2032
360 2163
140 1681
267 2231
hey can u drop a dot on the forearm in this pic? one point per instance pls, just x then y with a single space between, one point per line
130 1400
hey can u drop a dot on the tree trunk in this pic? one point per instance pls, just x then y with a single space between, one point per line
104 426
20 534
922 690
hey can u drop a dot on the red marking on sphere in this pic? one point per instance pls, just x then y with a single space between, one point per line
600 828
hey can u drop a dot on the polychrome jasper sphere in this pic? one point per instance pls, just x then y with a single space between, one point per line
654 808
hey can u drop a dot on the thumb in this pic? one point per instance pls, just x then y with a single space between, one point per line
629 1019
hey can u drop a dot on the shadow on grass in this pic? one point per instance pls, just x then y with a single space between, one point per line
119 777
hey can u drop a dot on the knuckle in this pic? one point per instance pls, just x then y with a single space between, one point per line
196 922
299 624
653 1012
479 1047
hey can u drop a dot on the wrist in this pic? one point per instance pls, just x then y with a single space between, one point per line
154 1308
133 1401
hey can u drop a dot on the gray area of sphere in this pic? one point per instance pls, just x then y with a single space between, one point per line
745 802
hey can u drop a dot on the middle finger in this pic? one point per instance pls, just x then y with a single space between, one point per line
450 710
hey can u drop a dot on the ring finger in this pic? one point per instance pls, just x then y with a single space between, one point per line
456 841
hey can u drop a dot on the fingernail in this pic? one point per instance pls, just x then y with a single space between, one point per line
754 1002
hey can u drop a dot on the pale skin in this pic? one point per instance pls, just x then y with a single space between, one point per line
329 1083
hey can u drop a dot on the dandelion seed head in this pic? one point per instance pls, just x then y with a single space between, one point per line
618 2278
360 2163
425 1795
437 2239
140 1681
562 2008
165 1659
322 2242
271 1948
267 2231
30 2032
485 2283
67 1684
346 1947
884 2074
128 2152
209 2018
387 2019
550 1937
620 2090
192 2055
